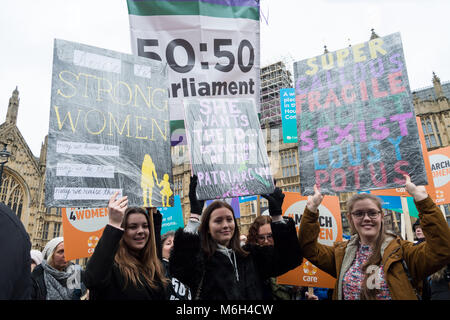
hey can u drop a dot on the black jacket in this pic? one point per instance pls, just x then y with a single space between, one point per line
104 279
15 265
39 291
188 263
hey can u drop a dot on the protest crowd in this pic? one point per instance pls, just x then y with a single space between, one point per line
109 146
208 260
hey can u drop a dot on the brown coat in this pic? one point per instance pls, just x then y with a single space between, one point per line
421 260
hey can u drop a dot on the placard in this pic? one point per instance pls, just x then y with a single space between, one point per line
440 169
109 129
172 217
288 115
330 223
211 47
355 119
82 229
227 149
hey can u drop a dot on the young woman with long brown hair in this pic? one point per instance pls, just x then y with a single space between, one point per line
375 264
125 264
207 255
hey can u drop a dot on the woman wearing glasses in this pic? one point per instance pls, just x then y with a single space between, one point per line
375 264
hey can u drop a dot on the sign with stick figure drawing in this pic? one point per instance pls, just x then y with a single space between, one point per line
109 129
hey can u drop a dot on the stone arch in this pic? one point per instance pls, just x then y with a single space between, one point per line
14 192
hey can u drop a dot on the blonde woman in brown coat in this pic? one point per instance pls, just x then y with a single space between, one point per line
375 264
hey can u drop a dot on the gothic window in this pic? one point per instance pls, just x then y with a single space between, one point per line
12 194
45 231
56 230
289 163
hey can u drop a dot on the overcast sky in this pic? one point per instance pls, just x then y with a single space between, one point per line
290 29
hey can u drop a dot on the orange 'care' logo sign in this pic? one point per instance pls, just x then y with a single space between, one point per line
82 228
330 231
440 168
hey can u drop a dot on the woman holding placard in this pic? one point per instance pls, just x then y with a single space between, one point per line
207 255
125 264
375 264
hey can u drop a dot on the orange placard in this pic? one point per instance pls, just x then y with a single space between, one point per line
82 228
401 192
330 231
440 169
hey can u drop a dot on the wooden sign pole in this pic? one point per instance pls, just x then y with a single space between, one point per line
407 220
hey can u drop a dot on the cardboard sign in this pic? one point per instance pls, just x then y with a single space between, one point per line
227 149
172 216
82 228
109 129
308 274
211 47
440 169
355 119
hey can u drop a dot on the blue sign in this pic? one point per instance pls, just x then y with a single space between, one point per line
172 216
247 199
394 203
288 115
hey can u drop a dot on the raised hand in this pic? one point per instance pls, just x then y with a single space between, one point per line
417 192
116 210
275 201
196 205
315 200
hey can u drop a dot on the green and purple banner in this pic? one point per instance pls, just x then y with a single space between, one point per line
211 47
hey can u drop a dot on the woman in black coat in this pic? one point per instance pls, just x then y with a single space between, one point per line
125 264
212 262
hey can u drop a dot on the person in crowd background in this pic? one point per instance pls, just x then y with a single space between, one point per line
36 258
125 263
207 255
55 278
374 264
178 290
418 232
15 245
260 233
439 284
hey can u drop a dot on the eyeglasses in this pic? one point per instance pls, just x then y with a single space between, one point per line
263 237
372 214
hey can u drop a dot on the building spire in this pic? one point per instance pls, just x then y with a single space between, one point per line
325 51
373 35
437 86
13 107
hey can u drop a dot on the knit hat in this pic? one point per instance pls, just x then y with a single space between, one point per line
50 247
36 256
416 224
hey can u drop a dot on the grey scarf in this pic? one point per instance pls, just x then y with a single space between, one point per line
61 284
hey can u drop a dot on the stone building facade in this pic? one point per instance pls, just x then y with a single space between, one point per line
22 187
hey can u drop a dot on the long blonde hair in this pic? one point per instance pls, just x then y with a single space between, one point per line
145 266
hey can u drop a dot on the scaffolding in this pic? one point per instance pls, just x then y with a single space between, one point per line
273 78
